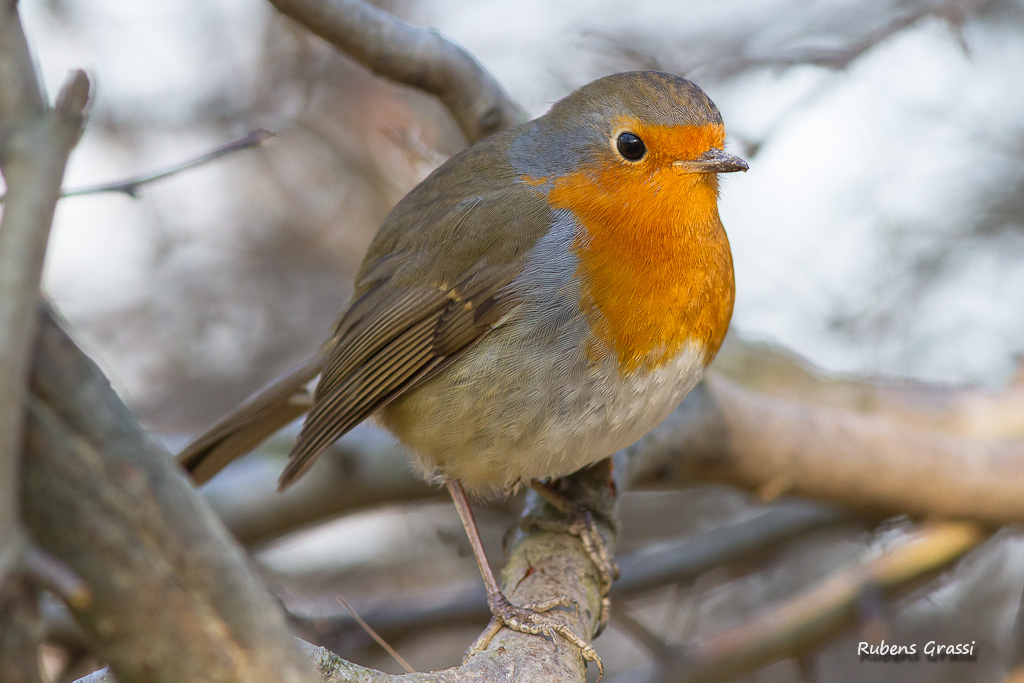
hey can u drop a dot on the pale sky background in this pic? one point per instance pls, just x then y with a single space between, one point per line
859 169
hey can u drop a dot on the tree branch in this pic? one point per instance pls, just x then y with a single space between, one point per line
112 505
35 141
723 432
422 58
839 58
21 632
34 145
21 97
945 408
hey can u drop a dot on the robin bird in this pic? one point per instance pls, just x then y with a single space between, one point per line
540 301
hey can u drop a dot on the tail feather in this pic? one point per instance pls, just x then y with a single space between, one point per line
249 424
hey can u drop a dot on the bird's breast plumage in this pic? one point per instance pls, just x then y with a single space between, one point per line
546 394
653 257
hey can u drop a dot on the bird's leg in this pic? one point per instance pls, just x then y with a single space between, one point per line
525 618
579 522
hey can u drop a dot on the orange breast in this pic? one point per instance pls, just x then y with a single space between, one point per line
654 261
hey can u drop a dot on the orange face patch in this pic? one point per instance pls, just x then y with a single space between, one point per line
654 261
666 144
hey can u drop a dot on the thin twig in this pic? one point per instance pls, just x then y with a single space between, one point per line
131 186
840 58
373 634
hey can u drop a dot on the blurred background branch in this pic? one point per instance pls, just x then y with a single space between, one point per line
418 57
131 186
806 620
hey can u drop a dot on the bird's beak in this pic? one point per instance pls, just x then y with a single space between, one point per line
712 161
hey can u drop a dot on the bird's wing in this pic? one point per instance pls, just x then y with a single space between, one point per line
418 309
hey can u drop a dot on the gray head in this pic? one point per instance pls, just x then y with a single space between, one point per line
619 119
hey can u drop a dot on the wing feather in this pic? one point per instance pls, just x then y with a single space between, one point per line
423 309
355 397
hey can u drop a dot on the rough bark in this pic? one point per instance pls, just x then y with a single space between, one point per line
174 597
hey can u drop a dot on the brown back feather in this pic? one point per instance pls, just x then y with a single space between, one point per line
409 321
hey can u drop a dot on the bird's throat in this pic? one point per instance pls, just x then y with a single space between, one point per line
654 262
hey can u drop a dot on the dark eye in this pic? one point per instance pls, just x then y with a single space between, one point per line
631 147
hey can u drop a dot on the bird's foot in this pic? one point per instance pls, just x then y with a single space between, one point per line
579 522
531 619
